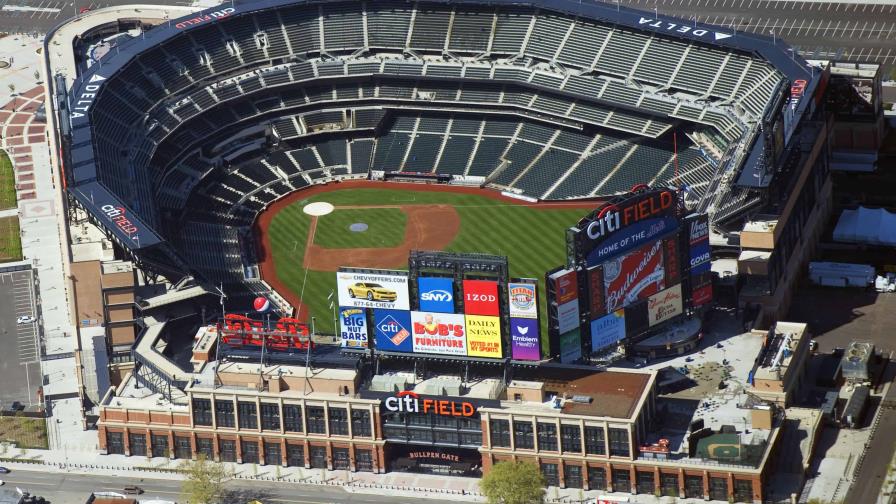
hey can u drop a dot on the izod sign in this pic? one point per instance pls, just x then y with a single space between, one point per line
411 402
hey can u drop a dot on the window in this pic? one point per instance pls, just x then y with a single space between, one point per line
743 490
340 459
646 483
597 478
318 457
250 452
424 436
248 415
550 474
361 423
202 412
547 436
594 441
693 487
500 433
473 424
272 454
316 424
446 437
292 418
622 480
138 444
114 443
523 436
363 460
338 422
159 445
295 455
182 449
571 438
718 488
205 447
473 439
270 416
669 484
619 445
572 474
395 433
224 414
227 450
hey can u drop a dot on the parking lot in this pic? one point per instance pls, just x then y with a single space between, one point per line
19 343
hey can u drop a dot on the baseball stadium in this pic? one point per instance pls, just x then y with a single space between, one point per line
306 153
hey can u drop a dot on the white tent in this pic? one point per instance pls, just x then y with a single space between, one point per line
873 226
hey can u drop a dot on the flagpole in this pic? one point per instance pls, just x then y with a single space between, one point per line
333 307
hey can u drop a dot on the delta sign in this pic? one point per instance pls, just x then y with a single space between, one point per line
625 224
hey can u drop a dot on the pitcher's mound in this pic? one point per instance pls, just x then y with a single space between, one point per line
318 208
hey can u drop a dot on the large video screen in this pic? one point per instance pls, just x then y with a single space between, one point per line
634 276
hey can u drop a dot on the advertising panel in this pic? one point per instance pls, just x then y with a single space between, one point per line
698 237
439 333
596 291
570 346
436 294
671 261
568 316
383 289
664 305
608 330
481 297
524 339
634 276
392 330
636 319
484 336
701 289
353 327
566 285
625 225
522 300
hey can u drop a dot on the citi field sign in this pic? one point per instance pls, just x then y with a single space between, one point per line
625 224
411 402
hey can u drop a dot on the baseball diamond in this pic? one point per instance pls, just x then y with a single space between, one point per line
437 218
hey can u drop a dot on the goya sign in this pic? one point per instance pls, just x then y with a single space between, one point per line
624 224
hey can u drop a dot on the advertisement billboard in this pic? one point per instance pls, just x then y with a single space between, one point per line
522 300
392 330
436 294
481 297
664 305
608 330
566 285
634 276
598 303
636 318
381 289
438 333
698 238
353 327
524 339
570 346
701 289
625 224
671 261
484 336
568 316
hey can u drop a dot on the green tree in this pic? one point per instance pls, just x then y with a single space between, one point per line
204 483
513 483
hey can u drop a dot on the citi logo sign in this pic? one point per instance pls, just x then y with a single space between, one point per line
612 218
438 295
393 330
117 216
410 402
218 14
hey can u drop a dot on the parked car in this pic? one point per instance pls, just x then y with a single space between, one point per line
4 470
24 319
372 291
133 490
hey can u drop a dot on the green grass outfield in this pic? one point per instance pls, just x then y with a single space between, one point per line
533 239
386 227
7 182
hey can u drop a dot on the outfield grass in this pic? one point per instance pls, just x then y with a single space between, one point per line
385 228
10 240
533 239
7 182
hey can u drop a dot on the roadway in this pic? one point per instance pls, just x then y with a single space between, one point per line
38 16
816 29
64 488
876 464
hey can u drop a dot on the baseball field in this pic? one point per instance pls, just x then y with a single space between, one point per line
376 224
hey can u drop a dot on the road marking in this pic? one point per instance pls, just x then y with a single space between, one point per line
25 8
